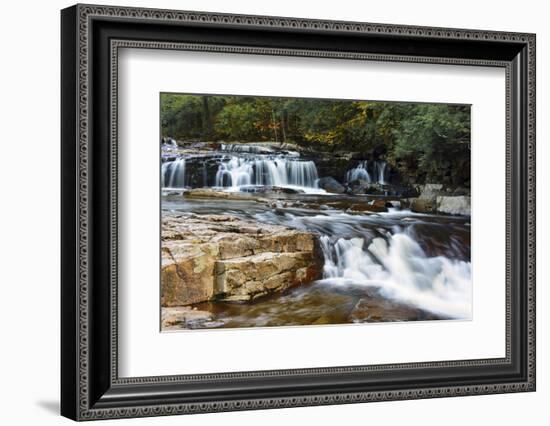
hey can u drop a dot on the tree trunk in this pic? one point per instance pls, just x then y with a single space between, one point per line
206 119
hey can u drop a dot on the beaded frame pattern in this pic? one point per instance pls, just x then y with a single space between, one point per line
87 12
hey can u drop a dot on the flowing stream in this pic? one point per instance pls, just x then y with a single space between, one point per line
412 266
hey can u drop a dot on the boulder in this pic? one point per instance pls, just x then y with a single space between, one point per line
374 206
426 202
459 205
358 186
186 271
330 184
431 191
421 205
222 257
247 278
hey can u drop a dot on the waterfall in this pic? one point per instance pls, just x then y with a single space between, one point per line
378 171
235 172
359 173
239 171
381 169
402 271
302 173
173 173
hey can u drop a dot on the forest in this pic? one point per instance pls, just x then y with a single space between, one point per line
409 136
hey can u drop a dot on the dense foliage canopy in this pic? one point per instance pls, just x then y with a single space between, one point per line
408 135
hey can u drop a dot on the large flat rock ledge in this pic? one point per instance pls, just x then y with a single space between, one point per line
222 257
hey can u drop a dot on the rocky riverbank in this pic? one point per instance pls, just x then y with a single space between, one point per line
434 198
224 258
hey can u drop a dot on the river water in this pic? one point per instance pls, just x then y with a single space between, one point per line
391 266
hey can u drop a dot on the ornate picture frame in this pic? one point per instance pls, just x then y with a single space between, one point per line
91 37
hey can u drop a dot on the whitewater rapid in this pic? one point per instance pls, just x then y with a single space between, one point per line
374 251
402 271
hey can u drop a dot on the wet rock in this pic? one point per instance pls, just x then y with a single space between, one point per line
213 257
377 309
359 187
330 184
213 193
333 164
459 205
184 317
374 206
422 205
381 203
270 190
279 204
379 189
366 208
461 191
426 201
396 204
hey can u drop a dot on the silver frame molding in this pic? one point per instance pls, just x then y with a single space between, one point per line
91 388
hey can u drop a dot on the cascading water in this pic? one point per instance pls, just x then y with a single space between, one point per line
173 173
169 145
235 172
375 251
302 173
361 172
402 271
381 171
278 171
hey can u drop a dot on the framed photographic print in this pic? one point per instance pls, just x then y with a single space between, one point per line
263 212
